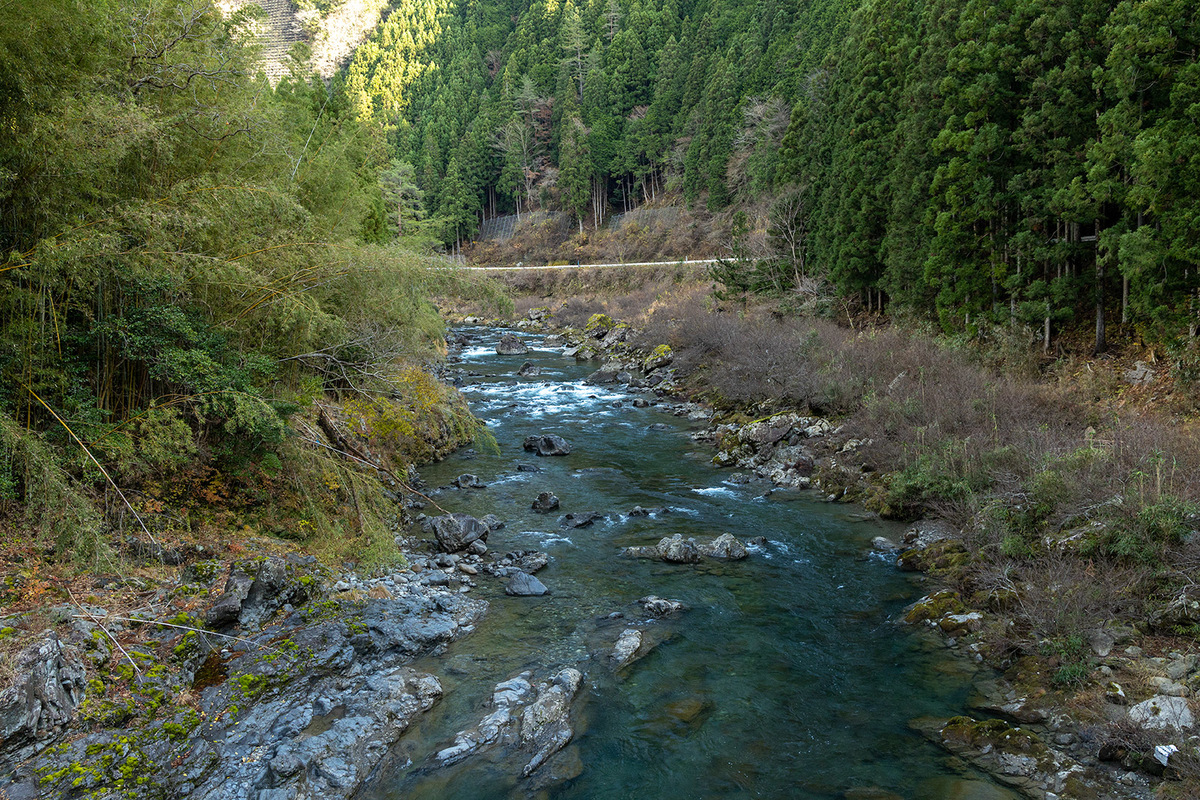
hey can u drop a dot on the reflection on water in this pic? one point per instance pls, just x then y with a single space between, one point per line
787 676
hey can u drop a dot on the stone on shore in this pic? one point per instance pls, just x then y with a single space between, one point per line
1163 713
457 532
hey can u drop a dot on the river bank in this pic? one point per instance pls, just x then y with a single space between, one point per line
1105 685
153 732
399 683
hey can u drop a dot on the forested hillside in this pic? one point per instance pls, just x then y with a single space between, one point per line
1021 162
1024 161
188 257
589 107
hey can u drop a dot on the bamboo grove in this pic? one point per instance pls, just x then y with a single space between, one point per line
187 254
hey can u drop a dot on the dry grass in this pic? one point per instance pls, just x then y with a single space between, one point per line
1076 505
631 293
690 233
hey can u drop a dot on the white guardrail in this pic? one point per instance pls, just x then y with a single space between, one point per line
588 266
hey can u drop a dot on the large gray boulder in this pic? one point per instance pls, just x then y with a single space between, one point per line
724 546
1162 712
678 550
523 584
225 612
547 444
49 686
510 345
546 725
456 532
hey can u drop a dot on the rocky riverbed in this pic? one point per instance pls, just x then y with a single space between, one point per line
290 680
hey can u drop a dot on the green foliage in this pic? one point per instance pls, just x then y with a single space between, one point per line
1070 658
580 108
183 245
1027 167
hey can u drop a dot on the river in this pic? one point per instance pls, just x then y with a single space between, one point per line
787 677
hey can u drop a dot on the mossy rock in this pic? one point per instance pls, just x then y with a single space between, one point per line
935 606
1002 737
941 557
661 356
598 326
201 573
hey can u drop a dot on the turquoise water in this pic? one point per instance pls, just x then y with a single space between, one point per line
788 675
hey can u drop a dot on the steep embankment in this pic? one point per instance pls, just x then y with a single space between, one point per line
331 30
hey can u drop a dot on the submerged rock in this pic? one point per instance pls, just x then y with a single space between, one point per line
529 370
579 520
547 444
638 511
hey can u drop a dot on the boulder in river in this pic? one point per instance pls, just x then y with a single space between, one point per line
600 377
724 546
547 444
510 345
626 647
660 606
522 584
469 481
529 370
545 502
678 550
545 725
456 532
525 560
579 520
638 511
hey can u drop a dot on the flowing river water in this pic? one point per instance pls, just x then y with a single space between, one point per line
787 677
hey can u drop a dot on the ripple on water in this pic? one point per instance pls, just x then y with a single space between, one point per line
785 676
